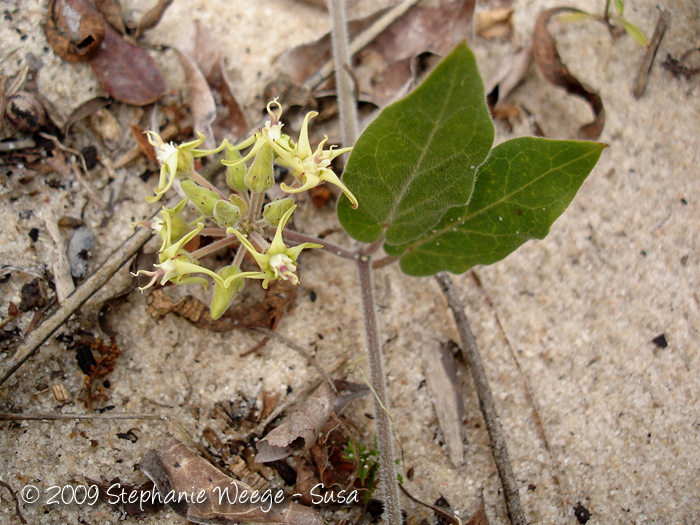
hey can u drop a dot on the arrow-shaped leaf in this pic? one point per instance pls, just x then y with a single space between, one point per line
521 189
418 157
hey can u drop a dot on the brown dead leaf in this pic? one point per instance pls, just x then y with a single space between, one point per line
280 295
441 376
555 71
204 49
494 23
142 142
306 480
126 72
152 17
384 65
112 11
85 110
201 100
74 28
299 429
176 468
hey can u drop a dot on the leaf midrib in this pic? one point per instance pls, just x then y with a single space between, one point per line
446 229
416 170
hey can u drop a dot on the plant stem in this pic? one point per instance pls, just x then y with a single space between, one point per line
387 469
213 247
296 237
486 403
255 207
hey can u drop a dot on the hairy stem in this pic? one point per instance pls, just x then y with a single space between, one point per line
213 247
486 403
387 469
298 238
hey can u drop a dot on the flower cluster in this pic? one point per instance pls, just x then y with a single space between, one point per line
241 216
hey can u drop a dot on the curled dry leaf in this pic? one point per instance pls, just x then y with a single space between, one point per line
176 469
202 102
126 72
298 430
555 71
112 11
203 48
385 65
152 17
74 28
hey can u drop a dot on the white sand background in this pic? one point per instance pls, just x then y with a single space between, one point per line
579 309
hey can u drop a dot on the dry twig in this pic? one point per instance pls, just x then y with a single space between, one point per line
486 402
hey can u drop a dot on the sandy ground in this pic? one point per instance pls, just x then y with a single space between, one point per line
579 309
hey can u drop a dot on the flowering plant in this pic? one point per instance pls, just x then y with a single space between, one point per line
241 216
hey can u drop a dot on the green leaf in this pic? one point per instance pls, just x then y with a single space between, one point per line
418 158
634 33
520 191
619 7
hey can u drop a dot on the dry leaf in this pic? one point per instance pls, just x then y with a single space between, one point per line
441 377
203 48
112 11
555 71
299 429
152 17
494 23
201 100
384 66
176 468
126 72
85 110
74 28
267 313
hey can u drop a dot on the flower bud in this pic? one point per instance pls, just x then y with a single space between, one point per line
274 211
226 215
202 199
240 202
261 175
235 175
223 297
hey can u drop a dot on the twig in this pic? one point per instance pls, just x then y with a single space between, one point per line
486 403
92 284
92 191
291 344
9 416
361 41
343 80
531 397
446 516
14 497
644 69
387 468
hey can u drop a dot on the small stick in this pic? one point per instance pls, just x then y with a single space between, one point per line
643 75
14 497
70 305
362 40
486 403
61 266
291 344
9 416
